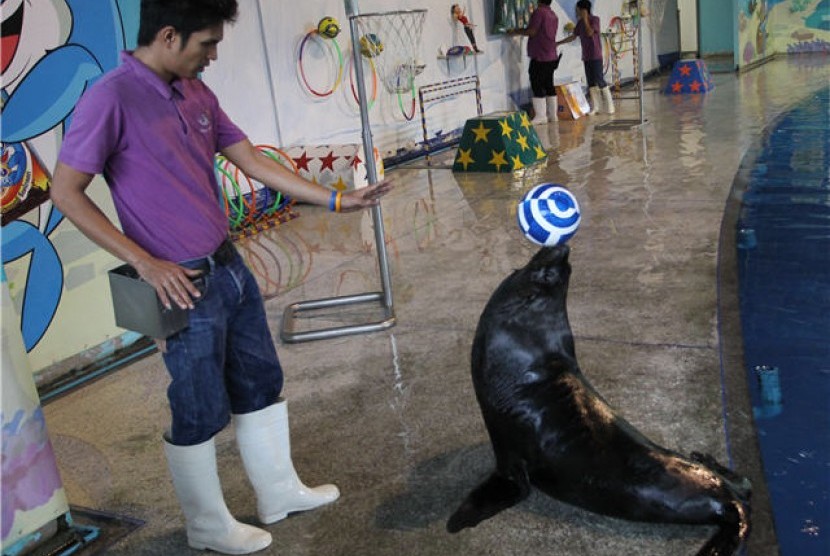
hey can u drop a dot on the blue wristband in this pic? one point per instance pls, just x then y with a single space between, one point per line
332 201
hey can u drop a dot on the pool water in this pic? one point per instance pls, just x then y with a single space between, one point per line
783 242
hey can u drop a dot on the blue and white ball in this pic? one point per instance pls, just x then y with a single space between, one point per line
548 214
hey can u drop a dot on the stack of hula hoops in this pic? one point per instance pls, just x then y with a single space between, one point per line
249 206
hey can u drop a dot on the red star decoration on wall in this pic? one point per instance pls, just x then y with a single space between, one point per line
695 86
676 87
302 162
355 162
685 70
328 160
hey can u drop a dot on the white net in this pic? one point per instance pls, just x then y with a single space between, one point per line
392 40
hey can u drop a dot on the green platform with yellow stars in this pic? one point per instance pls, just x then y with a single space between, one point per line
498 142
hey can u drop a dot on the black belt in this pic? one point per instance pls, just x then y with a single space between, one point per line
224 254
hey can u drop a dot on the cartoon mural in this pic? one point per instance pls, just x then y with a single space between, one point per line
25 181
767 27
807 23
52 50
32 491
30 474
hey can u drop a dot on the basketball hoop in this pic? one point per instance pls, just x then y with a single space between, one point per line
391 40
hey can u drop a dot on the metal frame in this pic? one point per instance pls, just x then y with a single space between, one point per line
383 297
59 537
452 88
618 124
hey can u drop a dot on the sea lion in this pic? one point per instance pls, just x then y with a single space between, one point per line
552 430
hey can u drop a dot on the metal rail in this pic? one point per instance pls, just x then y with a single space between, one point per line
383 297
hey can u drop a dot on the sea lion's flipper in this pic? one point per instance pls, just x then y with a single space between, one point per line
495 494
741 485
730 538
709 461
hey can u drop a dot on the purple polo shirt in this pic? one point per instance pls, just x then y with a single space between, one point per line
542 47
155 143
591 47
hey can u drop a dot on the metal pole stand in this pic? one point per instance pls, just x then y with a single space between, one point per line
618 123
384 297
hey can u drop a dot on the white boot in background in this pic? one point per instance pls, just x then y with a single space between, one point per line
209 523
266 453
596 100
552 108
609 100
539 111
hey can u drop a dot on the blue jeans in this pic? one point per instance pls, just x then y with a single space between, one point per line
225 361
593 73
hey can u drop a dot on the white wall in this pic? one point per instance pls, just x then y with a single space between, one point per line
687 10
664 20
257 80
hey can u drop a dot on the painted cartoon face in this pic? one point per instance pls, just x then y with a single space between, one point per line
13 164
200 50
10 31
29 30
13 174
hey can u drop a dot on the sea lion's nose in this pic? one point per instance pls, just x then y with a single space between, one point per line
560 252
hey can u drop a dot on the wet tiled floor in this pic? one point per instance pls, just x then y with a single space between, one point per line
391 416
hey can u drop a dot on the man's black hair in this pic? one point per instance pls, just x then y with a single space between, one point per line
584 5
185 16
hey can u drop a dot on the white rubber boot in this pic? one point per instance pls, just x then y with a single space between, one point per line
609 100
596 100
266 453
209 523
552 108
539 111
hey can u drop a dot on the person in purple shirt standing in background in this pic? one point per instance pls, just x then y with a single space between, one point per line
588 30
152 129
544 59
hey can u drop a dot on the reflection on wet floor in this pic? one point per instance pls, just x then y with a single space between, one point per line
391 417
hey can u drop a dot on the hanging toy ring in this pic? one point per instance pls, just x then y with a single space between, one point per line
374 82
321 94
400 101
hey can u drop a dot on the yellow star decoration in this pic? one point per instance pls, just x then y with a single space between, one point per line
465 158
339 185
517 163
540 153
498 160
522 140
505 128
481 132
525 121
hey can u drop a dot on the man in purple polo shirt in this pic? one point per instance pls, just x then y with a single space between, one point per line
152 129
544 59
588 30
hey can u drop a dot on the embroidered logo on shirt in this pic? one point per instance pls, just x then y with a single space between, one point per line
204 123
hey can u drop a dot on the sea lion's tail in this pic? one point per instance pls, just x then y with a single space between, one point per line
495 494
730 538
